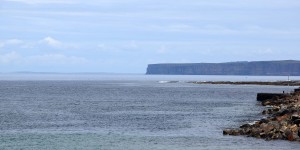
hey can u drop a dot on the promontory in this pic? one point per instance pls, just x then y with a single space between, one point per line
259 68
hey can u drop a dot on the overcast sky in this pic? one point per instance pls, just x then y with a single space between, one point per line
123 36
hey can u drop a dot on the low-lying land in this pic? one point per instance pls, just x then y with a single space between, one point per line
278 83
282 120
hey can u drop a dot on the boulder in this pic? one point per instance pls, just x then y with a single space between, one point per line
295 117
285 111
226 132
276 109
235 132
294 128
297 122
281 118
266 102
269 128
291 137
264 121
264 112
245 126
283 129
287 133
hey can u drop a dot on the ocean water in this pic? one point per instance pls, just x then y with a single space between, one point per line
134 112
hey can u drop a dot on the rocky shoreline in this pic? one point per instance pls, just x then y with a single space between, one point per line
282 120
278 83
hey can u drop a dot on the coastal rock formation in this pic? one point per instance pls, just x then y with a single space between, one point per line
280 68
282 120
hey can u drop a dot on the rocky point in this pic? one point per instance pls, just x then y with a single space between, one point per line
282 120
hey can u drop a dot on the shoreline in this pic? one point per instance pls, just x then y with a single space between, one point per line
276 83
281 121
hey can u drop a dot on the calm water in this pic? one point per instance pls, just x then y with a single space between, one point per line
128 112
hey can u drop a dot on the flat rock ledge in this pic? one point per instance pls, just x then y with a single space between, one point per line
282 121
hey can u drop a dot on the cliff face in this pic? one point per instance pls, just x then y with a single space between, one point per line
274 68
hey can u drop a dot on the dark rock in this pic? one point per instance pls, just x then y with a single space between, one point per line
295 117
297 90
245 126
243 132
286 111
297 122
287 133
293 110
276 109
226 132
234 132
264 121
263 135
280 136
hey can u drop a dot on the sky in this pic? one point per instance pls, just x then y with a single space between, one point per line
124 36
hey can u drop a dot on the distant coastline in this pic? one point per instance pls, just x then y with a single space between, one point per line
277 83
255 68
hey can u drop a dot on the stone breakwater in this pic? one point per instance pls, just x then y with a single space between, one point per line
282 120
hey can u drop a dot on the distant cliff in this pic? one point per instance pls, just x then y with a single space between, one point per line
268 68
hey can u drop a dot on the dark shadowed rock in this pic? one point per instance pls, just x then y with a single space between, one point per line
226 132
295 117
264 121
245 126
297 122
286 111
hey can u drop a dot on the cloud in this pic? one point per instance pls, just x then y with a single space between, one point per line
47 43
56 59
54 43
51 42
11 42
14 41
44 59
10 57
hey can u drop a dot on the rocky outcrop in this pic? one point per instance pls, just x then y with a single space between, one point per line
282 120
282 68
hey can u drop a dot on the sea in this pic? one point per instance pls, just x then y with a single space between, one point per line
130 112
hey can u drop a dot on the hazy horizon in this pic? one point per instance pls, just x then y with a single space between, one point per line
124 36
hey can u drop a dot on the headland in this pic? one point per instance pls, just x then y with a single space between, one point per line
252 68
